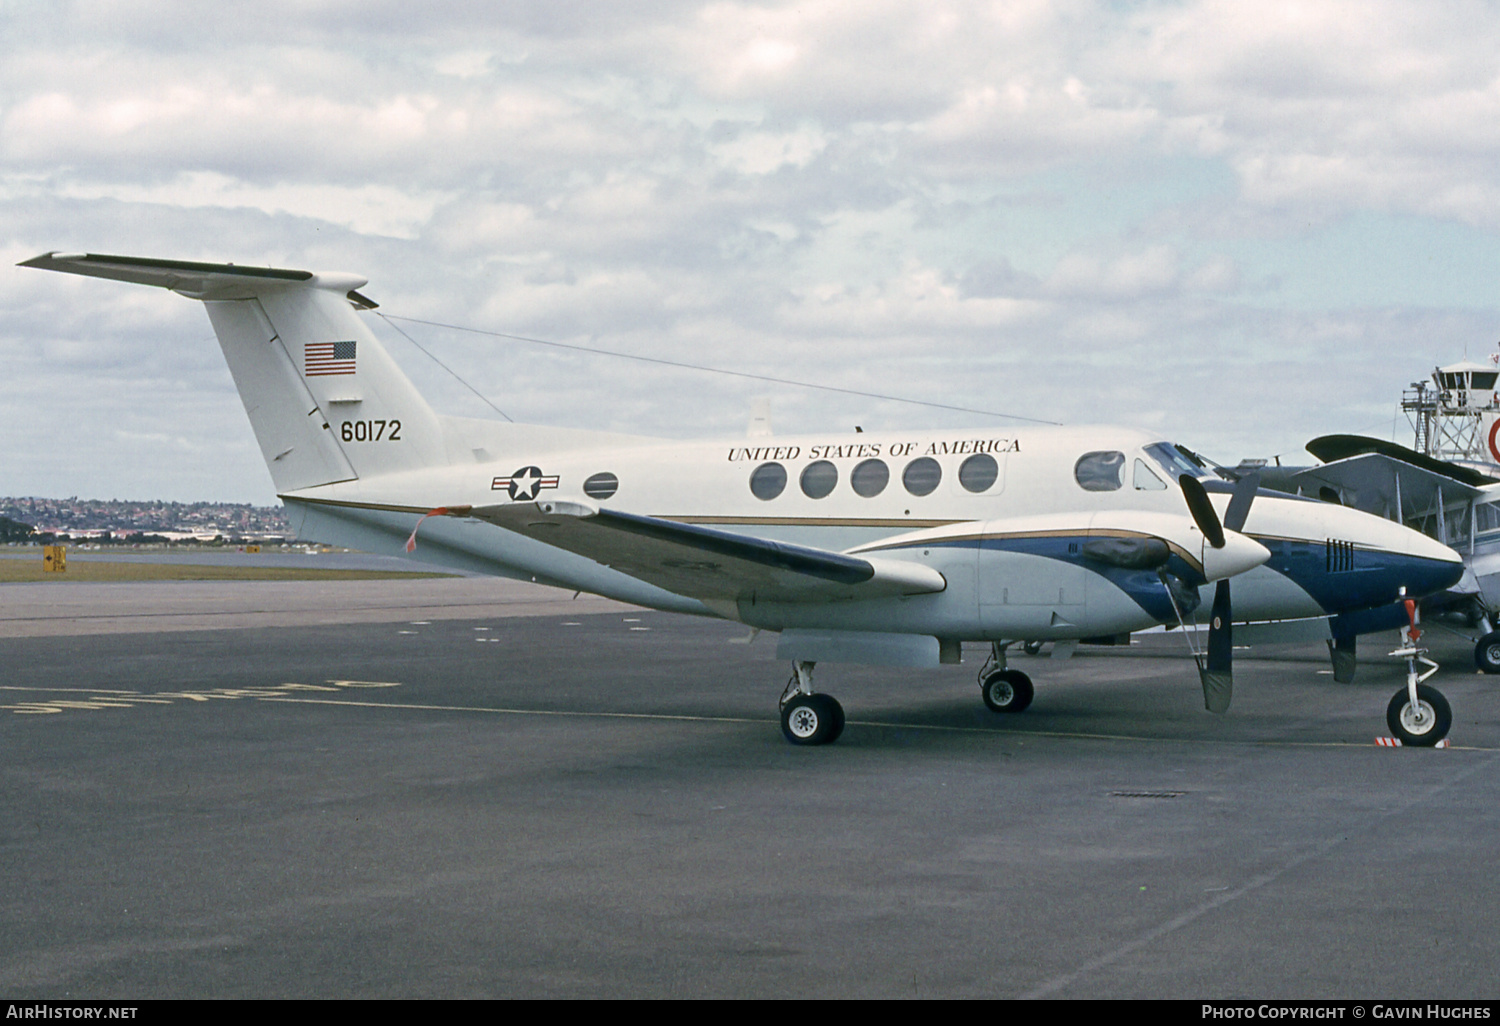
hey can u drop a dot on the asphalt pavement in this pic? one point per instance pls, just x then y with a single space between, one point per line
544 799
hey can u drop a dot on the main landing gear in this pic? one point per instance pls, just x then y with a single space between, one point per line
808 718
1004 690
1417 714
1487 649
1487 653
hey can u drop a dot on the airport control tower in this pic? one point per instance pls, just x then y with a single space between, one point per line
1455 416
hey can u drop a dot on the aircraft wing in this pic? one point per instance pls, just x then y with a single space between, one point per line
1366 473
708 563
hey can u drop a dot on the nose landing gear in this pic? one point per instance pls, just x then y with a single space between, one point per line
1417 714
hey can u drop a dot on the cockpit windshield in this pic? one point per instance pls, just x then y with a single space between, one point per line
1176 460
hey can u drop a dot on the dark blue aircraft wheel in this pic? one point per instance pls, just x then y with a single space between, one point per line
1487 653
812 719
1007 691
1422 725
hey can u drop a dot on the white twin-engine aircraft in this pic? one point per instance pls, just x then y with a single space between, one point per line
872 548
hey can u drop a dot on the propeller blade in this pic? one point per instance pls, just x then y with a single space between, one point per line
1218 673
1239 502
1202 510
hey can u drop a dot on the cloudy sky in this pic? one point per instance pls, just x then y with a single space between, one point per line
1241 225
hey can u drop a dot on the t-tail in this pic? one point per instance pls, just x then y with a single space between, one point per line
326 401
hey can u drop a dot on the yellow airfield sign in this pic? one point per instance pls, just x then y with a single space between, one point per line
54 559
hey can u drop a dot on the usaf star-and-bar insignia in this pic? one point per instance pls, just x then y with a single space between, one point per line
524 484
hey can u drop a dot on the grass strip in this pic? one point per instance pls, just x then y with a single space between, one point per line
18 571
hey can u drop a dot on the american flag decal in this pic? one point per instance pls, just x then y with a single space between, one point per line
326 358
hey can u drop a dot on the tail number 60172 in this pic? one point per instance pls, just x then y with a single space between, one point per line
370 431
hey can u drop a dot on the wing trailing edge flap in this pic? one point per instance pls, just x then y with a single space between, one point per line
707 563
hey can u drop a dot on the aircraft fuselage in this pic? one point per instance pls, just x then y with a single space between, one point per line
1003 515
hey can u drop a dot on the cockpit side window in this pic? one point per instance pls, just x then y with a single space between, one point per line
1170 458
1146 479
1100 471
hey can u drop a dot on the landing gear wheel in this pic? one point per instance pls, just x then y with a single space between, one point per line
1487 653
1032 647
1007 691
812 719
1423 725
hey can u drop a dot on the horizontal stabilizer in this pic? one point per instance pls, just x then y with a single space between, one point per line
197 280
708 563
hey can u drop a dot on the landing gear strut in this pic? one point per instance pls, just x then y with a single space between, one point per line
808 718
1004 690
1417 714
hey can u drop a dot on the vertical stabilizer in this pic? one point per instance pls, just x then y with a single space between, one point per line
325 399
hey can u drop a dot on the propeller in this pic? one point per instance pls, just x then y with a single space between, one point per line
1216 670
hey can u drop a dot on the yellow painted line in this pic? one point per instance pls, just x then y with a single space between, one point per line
83 691
519 712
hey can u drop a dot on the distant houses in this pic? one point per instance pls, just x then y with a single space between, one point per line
108 521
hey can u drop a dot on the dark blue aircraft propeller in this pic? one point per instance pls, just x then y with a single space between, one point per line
1216 668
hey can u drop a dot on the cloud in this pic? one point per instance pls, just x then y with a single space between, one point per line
368 209
761 153
1045 202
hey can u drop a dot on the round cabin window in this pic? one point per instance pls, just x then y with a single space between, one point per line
979 472
922 475
768 481
870 478
601 486
818 479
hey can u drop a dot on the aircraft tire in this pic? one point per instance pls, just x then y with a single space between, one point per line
1032 647
812 719
1007 691
1487 653
1422 730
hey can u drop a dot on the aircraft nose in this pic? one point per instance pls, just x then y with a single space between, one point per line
1410 559
1238 555
1436 569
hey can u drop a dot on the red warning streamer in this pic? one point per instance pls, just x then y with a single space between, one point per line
441 511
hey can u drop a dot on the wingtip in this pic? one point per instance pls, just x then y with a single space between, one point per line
47 260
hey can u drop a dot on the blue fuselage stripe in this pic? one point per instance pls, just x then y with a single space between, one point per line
1365 579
